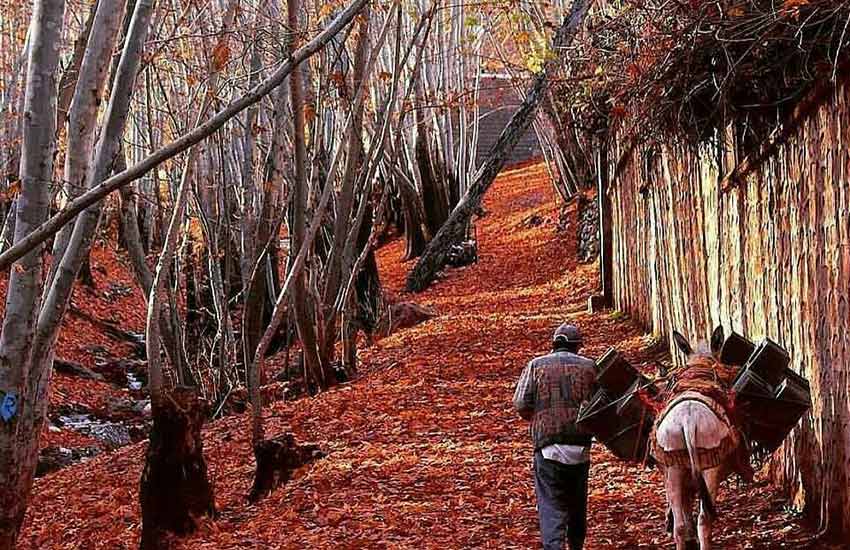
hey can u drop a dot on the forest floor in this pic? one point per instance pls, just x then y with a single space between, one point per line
423 448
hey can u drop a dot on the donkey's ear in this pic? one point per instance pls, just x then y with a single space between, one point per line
717 339
682 343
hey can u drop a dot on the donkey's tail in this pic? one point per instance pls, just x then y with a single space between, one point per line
689 433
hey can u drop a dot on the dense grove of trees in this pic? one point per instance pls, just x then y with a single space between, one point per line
251 154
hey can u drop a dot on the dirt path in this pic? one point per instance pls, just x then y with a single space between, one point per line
424 450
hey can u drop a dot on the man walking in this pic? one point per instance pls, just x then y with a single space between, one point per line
549 393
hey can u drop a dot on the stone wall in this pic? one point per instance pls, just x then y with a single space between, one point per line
588 227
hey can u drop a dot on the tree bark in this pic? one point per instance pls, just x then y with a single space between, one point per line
436 253
70 76
303 312
175 490
82 114
19 436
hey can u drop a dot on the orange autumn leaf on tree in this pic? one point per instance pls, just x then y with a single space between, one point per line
309 113
220 56
12 191
326 10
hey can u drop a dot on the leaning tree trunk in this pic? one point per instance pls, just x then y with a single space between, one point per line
436 253
82 116
19 433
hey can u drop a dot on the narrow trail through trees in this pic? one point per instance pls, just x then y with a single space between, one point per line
423 448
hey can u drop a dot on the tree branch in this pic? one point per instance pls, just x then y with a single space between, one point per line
96 194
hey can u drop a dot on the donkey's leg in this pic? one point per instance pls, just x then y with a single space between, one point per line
679 497
712 478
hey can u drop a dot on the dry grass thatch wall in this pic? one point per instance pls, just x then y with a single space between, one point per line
768 258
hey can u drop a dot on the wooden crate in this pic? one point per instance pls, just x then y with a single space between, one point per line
770 361
622 425
769 413
736 350
614 374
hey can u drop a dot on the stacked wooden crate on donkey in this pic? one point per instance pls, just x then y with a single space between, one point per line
615 415
769 399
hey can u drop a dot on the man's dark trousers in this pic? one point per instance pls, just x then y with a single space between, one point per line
561 502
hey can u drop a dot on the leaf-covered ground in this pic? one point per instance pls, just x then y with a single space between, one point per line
424 450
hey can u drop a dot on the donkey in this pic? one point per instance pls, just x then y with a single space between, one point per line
690 425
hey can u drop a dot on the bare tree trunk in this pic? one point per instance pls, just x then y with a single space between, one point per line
414 237
109 145
434 199
7 235
19 381
129 224
453 230
82 114
303 314
175 490
70 76
345 198
14 94
41 341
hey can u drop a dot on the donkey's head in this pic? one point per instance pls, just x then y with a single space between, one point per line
702 349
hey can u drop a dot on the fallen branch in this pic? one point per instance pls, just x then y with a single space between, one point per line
72 368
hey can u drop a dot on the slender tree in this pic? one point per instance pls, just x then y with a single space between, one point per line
436 254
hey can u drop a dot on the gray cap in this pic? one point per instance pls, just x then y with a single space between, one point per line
567 333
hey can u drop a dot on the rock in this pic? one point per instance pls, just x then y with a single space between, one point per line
463 254
126 373
404 315
114 434
588 229
146 409
117 290
51 459
125 408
